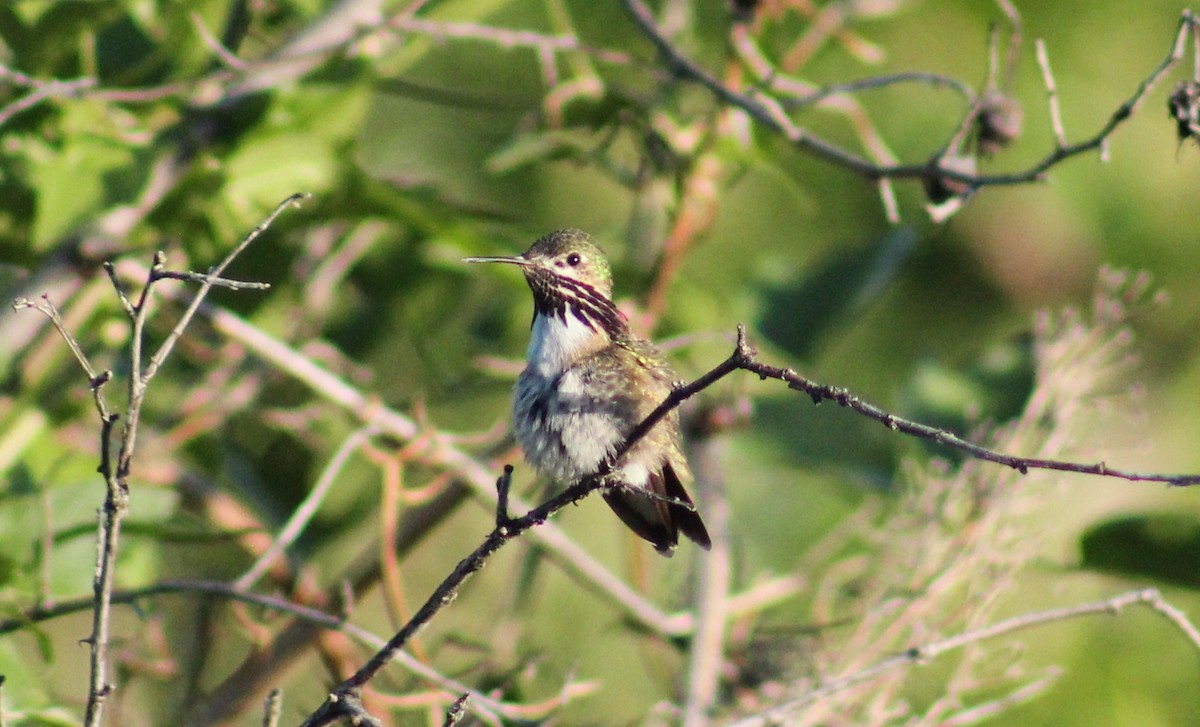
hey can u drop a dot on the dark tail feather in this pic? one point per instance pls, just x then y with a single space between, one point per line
645 516
688 521
655 519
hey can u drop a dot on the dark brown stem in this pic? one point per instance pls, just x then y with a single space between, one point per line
457 711
272 708
820 393
503 485
38 614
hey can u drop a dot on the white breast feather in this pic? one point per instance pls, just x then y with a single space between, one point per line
575 417
554 344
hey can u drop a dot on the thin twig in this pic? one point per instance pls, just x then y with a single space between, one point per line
227 56
763 595
936 80
117 286
208 281
48 309
1149 597
17 78
457 711
1000 705
820 392
1195 48
211 280
1056 122
392 466
993 66
272 708
116 504
43 90
506 37
306 510
887 194
831 20
1015 39
706 651
503 485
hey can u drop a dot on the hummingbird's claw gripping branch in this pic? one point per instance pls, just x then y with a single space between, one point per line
608 484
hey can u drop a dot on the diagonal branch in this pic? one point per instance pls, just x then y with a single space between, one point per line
842 397
211 280
207 282
344 700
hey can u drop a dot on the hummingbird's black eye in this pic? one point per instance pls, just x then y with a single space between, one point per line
573 259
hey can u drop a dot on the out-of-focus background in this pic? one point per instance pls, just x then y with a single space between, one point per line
430 131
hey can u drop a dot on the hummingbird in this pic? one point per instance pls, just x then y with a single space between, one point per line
588 382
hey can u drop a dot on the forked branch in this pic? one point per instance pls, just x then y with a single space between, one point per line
770 112
116 470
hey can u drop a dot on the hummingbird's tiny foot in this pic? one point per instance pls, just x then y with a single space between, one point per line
650 495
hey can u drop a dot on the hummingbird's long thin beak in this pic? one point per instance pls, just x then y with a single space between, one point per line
511 260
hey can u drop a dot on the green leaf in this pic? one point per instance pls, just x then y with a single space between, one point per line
301 146
76 179
265 170
1163 546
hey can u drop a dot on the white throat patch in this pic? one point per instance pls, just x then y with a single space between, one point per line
554 344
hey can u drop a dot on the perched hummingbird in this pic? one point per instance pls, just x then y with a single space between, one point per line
588 381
